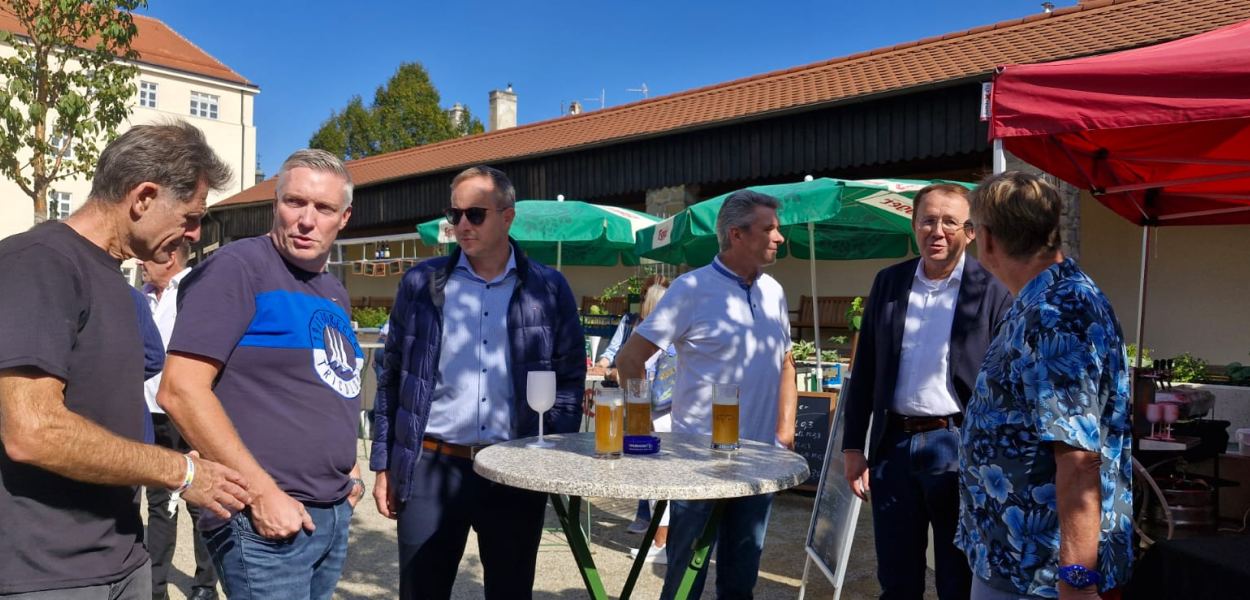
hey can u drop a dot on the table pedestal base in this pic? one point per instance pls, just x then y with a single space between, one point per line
568 507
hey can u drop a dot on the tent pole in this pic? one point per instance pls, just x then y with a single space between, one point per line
811 267
1141 294
1000 157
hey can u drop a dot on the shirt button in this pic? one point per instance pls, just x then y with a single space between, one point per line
486 314
483 370
484 342
483 428
483 399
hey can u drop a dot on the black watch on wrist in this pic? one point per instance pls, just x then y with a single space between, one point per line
1080 577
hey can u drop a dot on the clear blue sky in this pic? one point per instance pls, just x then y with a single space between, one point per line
309 58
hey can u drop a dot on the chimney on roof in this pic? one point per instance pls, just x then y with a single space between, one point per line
502 109
575 108
1048 7
457 115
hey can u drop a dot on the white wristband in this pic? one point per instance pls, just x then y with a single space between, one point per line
189 477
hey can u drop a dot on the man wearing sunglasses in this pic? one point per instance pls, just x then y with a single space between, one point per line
464 331
927 324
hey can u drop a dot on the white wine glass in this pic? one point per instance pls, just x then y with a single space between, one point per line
540 393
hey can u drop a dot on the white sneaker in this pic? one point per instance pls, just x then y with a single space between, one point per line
655 554
638 526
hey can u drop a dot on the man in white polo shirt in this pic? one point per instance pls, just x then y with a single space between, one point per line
730 324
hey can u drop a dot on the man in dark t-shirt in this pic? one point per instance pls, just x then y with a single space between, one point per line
266 377
71 376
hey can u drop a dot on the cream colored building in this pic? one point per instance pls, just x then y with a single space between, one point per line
176 80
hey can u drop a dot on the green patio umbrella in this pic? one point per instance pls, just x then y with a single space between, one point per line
558 232
849 220
846 219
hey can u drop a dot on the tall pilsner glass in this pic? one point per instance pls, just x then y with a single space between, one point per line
609 421
637 407
725 416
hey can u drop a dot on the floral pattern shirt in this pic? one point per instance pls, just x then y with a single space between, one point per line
1056 372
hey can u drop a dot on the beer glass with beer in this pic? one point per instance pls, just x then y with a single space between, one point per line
637 407
609 422
725 416
540 393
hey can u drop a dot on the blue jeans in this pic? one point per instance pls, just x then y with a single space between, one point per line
738 545
305 567
915 484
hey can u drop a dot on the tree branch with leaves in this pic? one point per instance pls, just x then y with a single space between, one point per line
65 90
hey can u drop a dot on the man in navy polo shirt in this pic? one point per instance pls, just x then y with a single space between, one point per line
742 338
263 373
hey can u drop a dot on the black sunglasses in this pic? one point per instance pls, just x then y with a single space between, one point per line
476 214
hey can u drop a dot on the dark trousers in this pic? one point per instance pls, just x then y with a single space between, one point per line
915 484
162 533
447 499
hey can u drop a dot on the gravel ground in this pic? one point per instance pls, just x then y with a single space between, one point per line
372 561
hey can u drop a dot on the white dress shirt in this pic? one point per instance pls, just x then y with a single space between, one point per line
923 388
164 312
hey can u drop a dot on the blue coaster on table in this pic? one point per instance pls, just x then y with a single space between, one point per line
641 444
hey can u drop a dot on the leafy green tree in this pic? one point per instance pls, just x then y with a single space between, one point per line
65 90
405 113
350 134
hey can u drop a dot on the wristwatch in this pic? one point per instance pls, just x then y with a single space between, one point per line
1079 577
358 481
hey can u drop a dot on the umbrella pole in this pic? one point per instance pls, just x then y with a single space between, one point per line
811 268
559 255
1141 294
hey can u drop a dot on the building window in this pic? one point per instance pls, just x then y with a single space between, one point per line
59 144
59 205
203 105
147 94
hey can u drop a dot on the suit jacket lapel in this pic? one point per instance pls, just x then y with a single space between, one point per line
899 315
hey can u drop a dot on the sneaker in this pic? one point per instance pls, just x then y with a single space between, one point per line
655 554
638 526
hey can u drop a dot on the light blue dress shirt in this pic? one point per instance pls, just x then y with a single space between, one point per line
472 400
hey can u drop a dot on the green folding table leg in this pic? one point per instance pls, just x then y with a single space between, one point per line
656 515
569 515
698 562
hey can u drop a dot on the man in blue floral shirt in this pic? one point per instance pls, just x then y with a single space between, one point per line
1045 469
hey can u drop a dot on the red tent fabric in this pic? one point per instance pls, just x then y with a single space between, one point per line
1161 134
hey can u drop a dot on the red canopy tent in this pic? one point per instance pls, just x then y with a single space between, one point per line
1160 135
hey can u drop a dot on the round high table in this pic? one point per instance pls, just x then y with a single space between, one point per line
686 468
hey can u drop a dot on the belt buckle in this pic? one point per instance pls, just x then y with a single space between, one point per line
474 449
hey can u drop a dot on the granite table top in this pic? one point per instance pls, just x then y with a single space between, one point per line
686 468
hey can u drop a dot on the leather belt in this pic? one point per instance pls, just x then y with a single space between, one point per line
921 424
450 449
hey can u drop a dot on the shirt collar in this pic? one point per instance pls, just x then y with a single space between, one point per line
464 264
1042 281
173 284
955 277
727 272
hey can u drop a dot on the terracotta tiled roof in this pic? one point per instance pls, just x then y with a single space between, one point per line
158 45
1089 28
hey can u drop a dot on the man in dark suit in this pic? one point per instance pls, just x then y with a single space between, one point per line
927 324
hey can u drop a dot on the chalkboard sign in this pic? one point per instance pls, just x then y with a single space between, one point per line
811 431
834 512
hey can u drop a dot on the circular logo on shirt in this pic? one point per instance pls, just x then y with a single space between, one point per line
334 353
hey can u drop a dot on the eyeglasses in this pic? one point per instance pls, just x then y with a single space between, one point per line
948 226
476 214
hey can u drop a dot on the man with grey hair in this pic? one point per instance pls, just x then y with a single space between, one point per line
464 332
71 376
743 340
266 378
